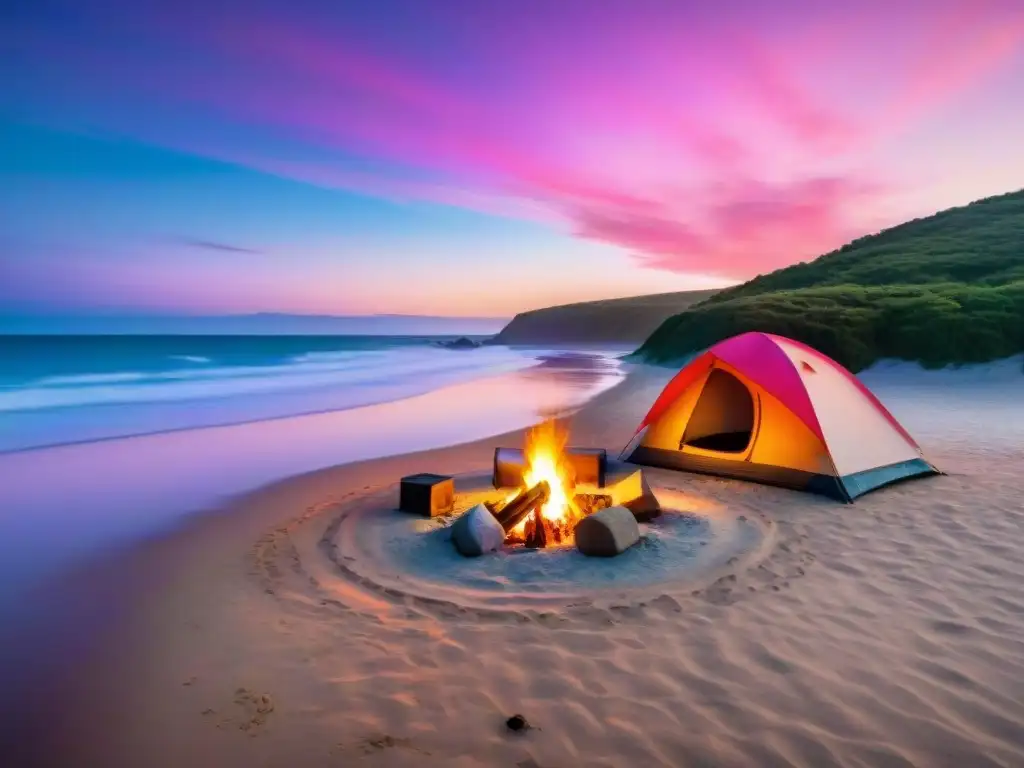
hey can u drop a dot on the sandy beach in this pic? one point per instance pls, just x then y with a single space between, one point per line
885 633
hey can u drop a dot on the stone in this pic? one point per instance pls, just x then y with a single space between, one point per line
460 343
426 494
517 723
607 532
477 531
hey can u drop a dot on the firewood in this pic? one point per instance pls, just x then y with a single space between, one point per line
589 503
495 507
504 507
537 535
523 504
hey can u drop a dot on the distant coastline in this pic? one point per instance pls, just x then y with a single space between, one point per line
615 321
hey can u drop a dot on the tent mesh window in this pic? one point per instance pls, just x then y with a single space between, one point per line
723 418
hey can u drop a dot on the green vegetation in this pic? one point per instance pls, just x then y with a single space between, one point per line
947 289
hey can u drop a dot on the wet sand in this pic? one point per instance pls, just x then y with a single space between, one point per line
887 633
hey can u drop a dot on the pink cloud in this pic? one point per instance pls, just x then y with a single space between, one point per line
650 234
748 229
771 85
966 45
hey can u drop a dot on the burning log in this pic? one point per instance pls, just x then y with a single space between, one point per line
495 507
523 504
589 503
540 532
536 531
588 465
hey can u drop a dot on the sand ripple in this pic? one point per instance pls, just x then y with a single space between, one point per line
890 633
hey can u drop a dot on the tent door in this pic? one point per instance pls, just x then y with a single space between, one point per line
724 420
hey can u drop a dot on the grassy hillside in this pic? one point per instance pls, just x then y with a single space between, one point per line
947 289
627 321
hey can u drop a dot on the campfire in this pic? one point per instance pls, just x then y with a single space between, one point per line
546 507
546 495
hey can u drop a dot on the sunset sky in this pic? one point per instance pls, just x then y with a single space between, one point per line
470 158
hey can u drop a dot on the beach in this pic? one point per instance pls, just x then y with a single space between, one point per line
885 633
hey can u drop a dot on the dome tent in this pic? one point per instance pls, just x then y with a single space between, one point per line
772 410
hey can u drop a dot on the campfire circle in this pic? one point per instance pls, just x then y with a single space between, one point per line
551 496
547 526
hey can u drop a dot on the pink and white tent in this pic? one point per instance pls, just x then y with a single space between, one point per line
769 409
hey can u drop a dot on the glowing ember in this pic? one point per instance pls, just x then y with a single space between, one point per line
546 461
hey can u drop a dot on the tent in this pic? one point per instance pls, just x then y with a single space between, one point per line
772 410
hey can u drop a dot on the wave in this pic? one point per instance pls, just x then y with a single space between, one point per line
351 370
61 409
86 379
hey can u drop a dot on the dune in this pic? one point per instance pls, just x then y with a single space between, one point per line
626 321
887 633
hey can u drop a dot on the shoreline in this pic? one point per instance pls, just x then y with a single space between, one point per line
890 592
92 412
113 492
261 420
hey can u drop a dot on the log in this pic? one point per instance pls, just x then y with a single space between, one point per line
537 531
522 505
588 466
588 503
495 507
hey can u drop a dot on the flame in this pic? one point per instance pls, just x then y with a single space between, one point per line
545 461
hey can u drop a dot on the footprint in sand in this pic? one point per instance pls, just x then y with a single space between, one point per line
255 706
374 744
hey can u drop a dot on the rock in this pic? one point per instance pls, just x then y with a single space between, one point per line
517 723
477 532
607 532
460 343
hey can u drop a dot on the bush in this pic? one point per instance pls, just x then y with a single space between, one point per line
948 289
934 325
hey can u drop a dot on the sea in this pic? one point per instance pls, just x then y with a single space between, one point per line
108 439
64 389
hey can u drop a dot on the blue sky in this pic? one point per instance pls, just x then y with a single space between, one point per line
472 159
96 222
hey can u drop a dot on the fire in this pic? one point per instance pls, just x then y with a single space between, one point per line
546 461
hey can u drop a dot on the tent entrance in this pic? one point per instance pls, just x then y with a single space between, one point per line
723 418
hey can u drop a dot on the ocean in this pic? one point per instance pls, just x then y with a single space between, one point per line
66 389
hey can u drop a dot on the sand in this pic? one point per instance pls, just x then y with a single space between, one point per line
887 633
